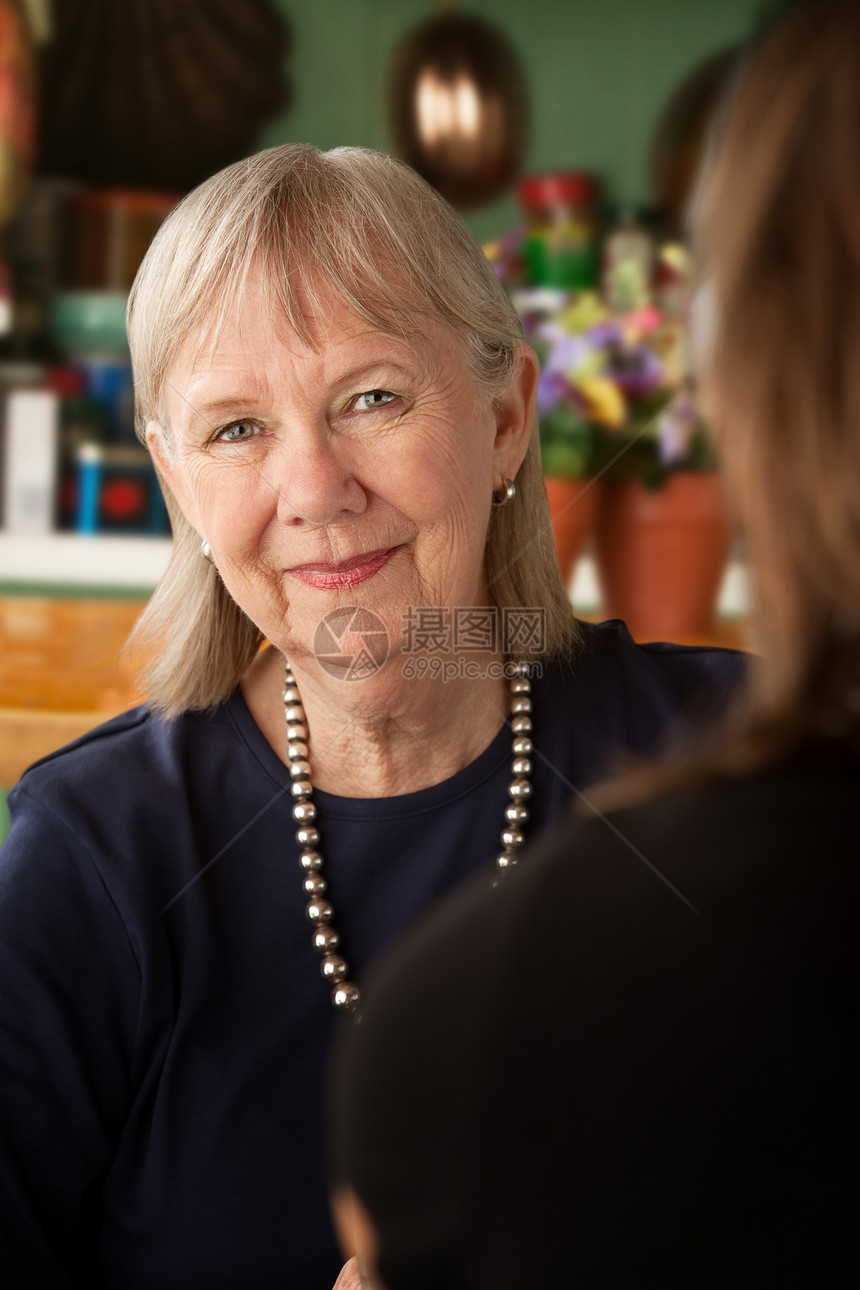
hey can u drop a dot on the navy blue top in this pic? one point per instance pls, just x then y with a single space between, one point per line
164 1022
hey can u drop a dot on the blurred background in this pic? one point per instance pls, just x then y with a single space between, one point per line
566 132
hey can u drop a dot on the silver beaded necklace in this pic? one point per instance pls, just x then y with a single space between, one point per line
326 940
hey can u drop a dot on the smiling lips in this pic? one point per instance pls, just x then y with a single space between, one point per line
331 575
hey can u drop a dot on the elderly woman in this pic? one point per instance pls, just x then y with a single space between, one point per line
366 684
663 1095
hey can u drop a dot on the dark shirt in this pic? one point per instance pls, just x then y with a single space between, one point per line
633 1062
164 1022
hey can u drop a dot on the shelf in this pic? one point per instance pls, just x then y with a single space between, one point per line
70 560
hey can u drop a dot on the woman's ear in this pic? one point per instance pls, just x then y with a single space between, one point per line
515 411
165 464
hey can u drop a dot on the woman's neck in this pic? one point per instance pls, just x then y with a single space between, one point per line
385 735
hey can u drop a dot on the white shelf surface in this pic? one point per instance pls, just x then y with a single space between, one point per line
136 563
70 559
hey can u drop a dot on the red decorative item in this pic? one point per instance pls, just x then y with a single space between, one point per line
562 188
17 107
560 245
124 499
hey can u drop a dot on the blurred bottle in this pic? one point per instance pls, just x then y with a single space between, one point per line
629 254
103 236
118 491
81 423
673 279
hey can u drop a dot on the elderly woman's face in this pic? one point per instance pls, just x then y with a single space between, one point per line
356 474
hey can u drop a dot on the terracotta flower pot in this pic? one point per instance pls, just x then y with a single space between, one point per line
573 506
660 555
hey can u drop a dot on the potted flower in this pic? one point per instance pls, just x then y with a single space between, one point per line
577 406
617 409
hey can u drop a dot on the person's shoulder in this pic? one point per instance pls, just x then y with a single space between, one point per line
680 672
123 735
711 850
639 692
103 735
609 643
108 810
766 859
137 742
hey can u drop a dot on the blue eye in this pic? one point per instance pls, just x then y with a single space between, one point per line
371 400
239 432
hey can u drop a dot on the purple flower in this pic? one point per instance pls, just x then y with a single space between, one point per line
675 430
606 335
637 372
566 353
552 389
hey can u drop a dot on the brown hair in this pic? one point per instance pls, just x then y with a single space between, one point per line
342 219
777 222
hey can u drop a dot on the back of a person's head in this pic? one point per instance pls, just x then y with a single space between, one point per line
572 1080
778 227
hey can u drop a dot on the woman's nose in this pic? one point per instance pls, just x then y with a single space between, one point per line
315 484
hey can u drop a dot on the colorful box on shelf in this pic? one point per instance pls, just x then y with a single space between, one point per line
118 491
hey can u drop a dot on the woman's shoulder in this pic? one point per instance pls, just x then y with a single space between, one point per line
109 791
609 646
635 695
133 741
758 855
119 809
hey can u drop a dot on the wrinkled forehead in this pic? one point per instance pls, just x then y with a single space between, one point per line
249 346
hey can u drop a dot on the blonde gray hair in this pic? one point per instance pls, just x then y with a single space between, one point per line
777 219
364 226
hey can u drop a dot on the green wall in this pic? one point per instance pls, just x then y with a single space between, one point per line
598 73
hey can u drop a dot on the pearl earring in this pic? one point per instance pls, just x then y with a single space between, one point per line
505 494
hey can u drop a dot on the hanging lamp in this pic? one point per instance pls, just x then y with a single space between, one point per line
458 107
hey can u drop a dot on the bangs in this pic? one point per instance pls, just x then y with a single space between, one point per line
304 266
305 228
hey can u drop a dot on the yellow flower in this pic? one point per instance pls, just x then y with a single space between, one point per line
605 402
586 311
